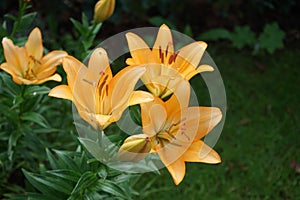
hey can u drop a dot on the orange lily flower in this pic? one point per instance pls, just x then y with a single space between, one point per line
27 65
99 97
174 131
162 60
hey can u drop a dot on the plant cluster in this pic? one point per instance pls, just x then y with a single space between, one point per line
38 139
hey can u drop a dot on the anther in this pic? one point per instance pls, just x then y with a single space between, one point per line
34 60
106 90
171 59
167 50
175 55
160 53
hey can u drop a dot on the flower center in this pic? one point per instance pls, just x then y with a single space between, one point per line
170 134
29 73
164 55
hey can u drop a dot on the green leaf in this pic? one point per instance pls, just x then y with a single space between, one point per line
26 21
10 113
3 31
17 101
188 31
36 118
242 36
12 142
112 188
11 87
215 34
40 184
36 90
85 130
35 196
51 159
135 112
271 38
66 174
78 26
87 180
65 161
10 16
94 148
85 20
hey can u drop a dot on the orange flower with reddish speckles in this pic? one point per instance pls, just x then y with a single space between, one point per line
174 131
162 62
27 65
100 97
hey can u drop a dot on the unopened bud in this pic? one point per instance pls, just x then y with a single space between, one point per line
103 10
135 148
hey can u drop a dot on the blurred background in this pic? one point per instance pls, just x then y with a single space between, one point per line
255 45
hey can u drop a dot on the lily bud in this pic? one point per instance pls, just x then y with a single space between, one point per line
103 10
134 148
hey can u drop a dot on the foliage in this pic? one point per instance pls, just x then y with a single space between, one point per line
261 129
79 177
260 158
25 127
85 33
269 40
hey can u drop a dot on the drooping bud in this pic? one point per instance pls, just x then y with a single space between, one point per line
103 10
135 148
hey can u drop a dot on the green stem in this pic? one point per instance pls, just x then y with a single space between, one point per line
22 8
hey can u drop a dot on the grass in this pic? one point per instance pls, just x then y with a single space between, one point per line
260 142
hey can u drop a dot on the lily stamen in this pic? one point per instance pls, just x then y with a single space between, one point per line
34 60
167 50
90 82
160 53
106 90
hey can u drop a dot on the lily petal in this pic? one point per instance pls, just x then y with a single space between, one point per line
98 65
138 97
148 127
202 119
158 121
11 71
103 120
122 85
16 57
200 69
200 152
176 168
49 63
163 46
179 99
61 91
34 45
139 50
20 80
55 77
189 57
82 89
71 66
